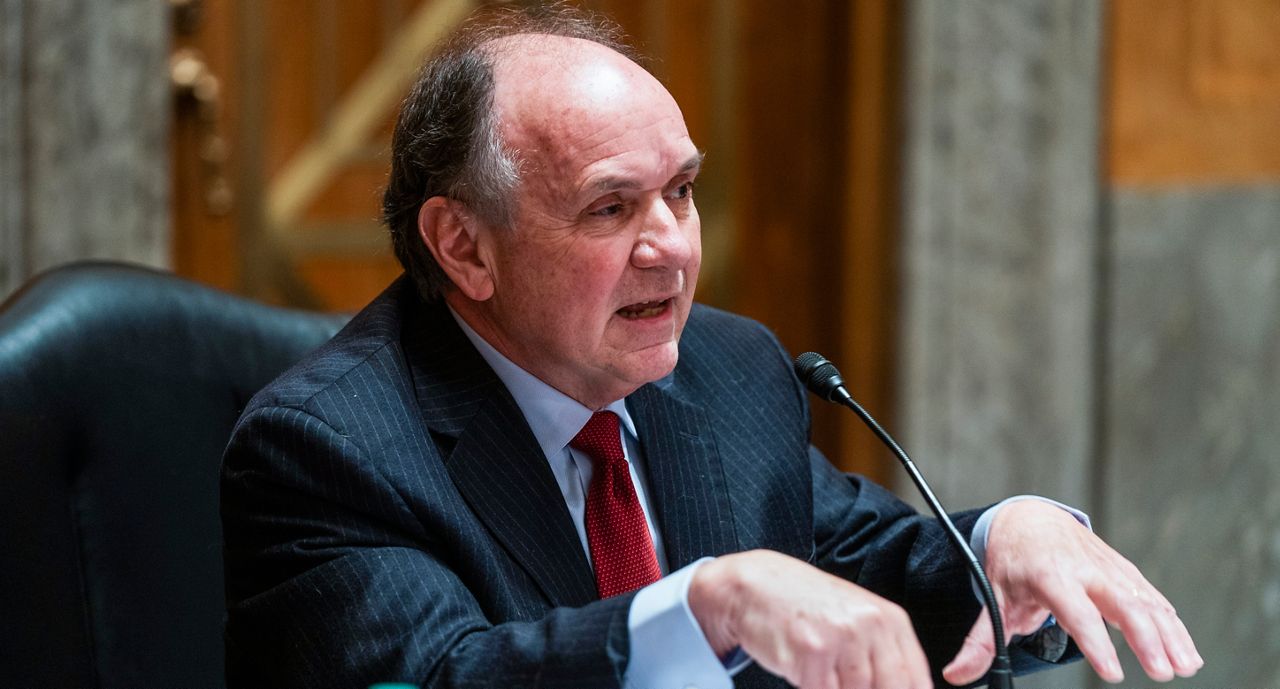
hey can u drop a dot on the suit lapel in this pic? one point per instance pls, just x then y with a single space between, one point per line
500 470
686 479
495 461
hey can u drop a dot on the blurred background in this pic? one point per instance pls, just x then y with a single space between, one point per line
1041 237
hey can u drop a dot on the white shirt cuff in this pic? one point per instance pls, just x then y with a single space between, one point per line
668 648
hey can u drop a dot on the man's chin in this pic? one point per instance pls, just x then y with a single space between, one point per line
652 363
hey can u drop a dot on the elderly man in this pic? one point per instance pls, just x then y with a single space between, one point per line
535 462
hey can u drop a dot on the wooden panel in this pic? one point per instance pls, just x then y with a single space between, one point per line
289 75
869 328
686 64
1194 91
787 186
206 243
354 193
292 61
348 282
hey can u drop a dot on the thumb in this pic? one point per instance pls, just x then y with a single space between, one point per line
975 656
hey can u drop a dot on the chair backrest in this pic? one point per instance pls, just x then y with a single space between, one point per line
118 390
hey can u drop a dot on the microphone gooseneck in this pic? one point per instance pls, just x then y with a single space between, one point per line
824 380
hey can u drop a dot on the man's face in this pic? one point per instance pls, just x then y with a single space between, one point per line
593 285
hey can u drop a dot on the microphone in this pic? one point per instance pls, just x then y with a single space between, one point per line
824 380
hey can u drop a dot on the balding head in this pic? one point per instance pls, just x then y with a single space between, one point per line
446 141
541 75
556 97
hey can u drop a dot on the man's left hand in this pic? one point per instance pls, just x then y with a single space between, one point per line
1041 560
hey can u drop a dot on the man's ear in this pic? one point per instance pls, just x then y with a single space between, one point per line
451 234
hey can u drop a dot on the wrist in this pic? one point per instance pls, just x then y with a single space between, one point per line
711 600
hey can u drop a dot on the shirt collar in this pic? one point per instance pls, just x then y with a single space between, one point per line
554 417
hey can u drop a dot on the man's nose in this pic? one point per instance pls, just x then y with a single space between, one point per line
663 241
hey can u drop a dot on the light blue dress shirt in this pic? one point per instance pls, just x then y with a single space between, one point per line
668 648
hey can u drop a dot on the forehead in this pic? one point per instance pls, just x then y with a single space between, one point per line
575 110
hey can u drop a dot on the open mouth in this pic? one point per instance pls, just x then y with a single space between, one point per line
647 309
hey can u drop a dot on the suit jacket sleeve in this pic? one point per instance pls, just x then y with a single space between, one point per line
866 535
329 585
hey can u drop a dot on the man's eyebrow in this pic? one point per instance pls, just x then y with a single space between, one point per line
694 162
613 183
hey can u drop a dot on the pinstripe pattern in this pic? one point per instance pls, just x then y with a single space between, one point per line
389 516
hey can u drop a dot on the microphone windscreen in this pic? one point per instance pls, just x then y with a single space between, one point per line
819 375
806 364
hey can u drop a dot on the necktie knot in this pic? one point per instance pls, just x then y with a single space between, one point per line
599 439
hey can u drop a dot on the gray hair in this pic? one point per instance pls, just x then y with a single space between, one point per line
447 140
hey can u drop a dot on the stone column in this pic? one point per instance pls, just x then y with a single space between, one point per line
83 134
1001 198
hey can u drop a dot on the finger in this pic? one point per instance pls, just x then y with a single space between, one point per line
1078 615
914 671
819 673
1177 640
975 654
1173 646
1186 659
855 671
1178 644
888 668
1130 610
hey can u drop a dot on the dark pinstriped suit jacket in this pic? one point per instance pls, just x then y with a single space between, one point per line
389 516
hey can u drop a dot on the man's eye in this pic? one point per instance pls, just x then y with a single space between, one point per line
683 191
607 211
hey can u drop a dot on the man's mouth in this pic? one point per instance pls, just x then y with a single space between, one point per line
647 309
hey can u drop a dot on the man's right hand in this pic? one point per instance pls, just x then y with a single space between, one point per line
815 630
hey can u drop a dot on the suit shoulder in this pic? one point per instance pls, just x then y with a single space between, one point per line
372 332
724 353
703 317
714 330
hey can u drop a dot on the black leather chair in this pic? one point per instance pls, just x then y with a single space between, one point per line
118 389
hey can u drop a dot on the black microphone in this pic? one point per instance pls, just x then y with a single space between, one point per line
824 380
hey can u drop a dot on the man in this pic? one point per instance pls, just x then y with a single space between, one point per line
534 462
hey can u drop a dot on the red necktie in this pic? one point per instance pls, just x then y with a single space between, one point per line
617 534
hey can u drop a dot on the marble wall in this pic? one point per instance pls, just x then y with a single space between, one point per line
1191 454
1114 347
84 112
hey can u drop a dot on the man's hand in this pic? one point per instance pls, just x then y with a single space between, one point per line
1041 560
813 629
